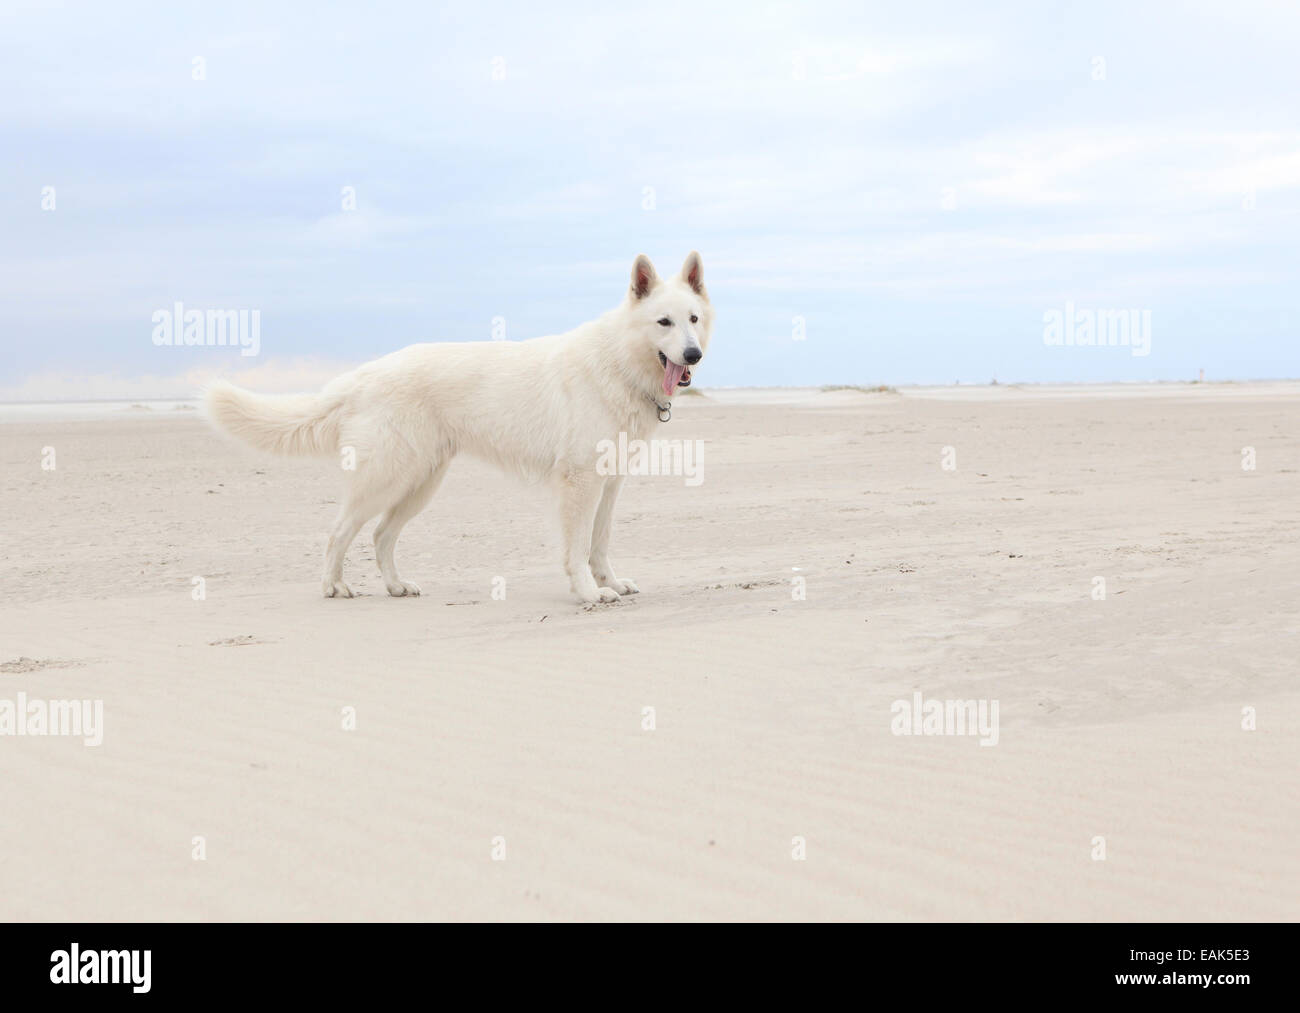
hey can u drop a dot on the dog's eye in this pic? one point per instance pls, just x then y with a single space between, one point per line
694 319
665 322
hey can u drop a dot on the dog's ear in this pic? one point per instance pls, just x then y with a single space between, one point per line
643 276
693 273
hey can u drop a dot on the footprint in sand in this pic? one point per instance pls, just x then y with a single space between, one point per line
240 641
21 665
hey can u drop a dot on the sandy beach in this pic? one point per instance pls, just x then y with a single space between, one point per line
828 565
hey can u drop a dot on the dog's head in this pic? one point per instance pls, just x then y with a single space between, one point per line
672 318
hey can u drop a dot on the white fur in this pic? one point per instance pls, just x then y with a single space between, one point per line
537 408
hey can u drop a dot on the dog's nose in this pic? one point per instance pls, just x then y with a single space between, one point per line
692 356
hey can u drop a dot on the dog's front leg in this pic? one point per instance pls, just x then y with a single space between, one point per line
602 569
581 497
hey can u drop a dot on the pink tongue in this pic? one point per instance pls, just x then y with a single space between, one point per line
672 373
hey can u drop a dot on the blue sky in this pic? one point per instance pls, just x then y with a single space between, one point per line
918 182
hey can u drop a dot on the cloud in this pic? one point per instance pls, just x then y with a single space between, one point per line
824 161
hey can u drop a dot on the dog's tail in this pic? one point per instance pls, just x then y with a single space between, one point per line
283 424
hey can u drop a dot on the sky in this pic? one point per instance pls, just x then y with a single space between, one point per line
882 193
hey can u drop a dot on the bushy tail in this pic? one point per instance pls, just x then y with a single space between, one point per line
282 424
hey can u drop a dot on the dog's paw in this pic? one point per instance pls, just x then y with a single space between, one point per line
599 595
621 586
403 589
336 589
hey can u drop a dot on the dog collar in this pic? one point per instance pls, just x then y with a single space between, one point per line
665 410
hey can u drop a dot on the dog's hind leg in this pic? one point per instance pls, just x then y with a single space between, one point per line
601 568
352 516
390 526
581 492
366 495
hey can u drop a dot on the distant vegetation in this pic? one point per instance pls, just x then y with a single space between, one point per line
882 389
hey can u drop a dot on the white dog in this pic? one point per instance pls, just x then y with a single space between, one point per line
537 408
